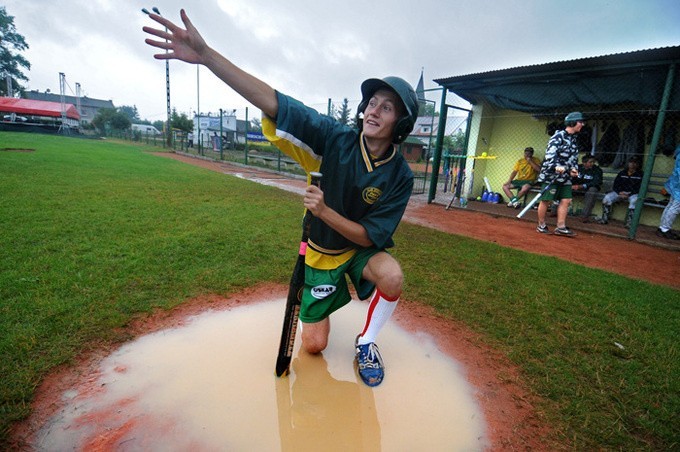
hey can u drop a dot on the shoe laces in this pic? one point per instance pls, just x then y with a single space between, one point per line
370 356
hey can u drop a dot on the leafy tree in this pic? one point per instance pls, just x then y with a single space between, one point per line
158 124
255 125
111 119
181 121
120 122
455 142
131 112
11 61
344 115
427 109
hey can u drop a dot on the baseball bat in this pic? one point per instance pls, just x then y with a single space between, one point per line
531 203
488 185
294 299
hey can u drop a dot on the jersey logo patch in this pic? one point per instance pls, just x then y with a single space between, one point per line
371 194
321 292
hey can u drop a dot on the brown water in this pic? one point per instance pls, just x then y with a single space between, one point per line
210 385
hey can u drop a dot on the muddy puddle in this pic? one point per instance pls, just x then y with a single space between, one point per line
209 384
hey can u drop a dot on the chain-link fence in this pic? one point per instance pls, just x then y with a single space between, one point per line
247 145
473 145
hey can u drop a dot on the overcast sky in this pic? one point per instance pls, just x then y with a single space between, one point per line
315 49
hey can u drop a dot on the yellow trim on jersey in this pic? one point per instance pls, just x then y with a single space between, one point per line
291 146
329 251
321 261
371 163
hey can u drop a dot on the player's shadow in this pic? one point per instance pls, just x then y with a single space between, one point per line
322 413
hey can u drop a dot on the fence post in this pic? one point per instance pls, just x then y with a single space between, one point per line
649 164
438 148
220 140
246 139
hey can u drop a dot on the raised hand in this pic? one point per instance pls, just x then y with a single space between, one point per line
182 44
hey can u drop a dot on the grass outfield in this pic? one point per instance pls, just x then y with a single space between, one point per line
93 232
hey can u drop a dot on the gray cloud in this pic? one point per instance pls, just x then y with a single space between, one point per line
315 50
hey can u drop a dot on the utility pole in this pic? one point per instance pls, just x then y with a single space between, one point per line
168 132
198 109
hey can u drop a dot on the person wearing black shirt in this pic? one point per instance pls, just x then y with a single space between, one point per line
626 188
588 182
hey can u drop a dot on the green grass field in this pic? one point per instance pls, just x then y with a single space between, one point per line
94 232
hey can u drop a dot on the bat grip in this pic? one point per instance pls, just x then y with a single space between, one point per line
316 181
316 178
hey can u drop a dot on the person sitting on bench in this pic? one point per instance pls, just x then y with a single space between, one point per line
626 188
588 182
523 175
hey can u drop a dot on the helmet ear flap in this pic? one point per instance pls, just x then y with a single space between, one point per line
402 129
360 111
406 123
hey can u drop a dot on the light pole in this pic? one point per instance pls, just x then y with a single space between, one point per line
168 136
221 133
198 109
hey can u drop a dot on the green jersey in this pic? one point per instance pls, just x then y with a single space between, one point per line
373 193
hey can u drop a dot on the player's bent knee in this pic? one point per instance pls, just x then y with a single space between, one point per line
315 336
313 346
385 272
392 285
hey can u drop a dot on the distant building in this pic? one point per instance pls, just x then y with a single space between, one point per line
412 149
209 128
88 107
426 128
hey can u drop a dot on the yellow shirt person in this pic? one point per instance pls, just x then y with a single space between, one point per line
523 175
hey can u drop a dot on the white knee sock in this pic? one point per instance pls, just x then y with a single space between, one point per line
379 311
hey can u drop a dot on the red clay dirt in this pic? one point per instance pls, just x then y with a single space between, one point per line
513 421
630 258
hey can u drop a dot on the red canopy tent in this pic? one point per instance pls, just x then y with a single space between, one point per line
36 108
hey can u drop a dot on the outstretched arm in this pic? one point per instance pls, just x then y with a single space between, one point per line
189 46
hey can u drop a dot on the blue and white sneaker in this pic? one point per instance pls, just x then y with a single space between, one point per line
369 363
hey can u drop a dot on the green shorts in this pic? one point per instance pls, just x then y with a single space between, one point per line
326 291
521 183
557 192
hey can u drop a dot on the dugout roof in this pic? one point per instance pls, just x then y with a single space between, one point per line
36 108
561 86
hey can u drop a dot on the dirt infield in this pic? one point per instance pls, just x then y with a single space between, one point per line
512 421
595 246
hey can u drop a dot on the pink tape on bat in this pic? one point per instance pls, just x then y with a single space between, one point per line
303 248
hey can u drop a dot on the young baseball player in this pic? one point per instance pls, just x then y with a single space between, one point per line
559 167
365 188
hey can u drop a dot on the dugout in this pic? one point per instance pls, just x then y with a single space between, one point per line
632 100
